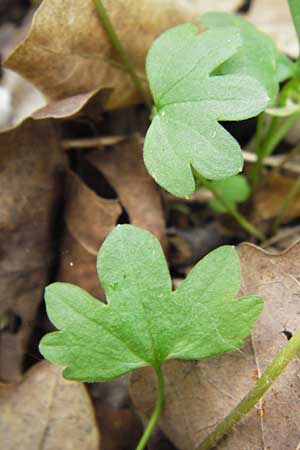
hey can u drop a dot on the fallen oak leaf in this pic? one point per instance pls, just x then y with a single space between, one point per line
31 169
88 220
122 165
87 103
45 411
33 166
267 200
209 390
89 217
69 41
81 58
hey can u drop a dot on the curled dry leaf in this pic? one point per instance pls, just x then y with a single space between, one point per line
31 165
88 104
88 220
123 167
23 99
81 57
274 18
44 412
67 51
201 393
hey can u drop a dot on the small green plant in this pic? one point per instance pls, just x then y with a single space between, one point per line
145 322
190 99
235 190
230 72
285 111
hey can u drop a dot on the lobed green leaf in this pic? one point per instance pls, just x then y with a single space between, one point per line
257 56
145 322
189 102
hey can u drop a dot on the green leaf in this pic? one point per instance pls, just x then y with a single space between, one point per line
257 56
235 190
285 68
145 322
189 102
289 103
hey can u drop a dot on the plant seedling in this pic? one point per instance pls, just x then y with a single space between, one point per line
234 190
230 72
285 113
145 322
189 102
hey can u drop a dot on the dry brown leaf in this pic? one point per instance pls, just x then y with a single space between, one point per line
267 201
87 104
67 51
31 165
203 6
201 393
23 97
123 167
120 428
46 412
88 218
274 18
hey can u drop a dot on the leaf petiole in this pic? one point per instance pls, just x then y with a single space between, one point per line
157 410
274 136
284 357
117 44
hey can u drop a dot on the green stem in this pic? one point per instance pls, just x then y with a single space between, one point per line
273 138
259 132
157 410
283 358
244 223
107 24
279 134
285 204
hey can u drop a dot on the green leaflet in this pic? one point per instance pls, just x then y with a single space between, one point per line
256 57
189 102
145 322
285 68
234 189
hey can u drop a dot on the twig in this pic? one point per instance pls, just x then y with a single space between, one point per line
100 141
283 234
273 161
